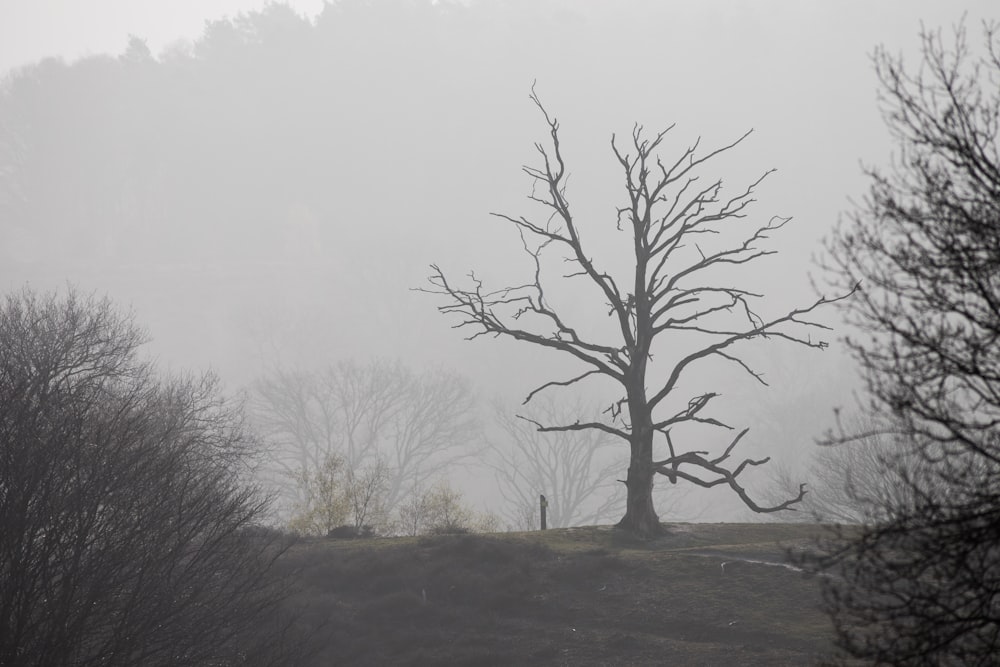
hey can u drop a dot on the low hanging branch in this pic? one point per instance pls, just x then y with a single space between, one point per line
675 225
669 467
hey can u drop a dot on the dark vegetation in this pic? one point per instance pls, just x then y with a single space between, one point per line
920 584
127 507
579 596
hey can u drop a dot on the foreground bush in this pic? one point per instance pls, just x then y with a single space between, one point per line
125 516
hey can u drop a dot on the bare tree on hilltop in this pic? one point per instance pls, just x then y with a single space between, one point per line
681 232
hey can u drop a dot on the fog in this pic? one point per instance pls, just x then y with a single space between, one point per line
265 184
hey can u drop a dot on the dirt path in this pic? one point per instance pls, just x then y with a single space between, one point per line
728 557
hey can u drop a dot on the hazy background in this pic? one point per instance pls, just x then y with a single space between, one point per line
265 183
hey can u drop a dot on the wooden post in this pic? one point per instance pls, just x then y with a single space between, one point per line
542 504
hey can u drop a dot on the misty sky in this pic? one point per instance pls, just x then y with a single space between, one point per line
421 134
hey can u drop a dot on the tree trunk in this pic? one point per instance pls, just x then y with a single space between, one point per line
640 515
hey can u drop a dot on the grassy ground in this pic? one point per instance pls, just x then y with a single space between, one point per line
580 596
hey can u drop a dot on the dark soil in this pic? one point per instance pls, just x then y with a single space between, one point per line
584 596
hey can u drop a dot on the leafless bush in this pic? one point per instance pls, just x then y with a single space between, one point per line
442 509
125 507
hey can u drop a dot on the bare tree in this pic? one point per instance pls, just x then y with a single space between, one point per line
442 509
681 233
334 496
575 470
447 511
920 585
853 482
365 491
381 414
124 500
414 512
323 503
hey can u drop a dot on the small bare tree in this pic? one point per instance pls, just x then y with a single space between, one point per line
575 470
681 232
442 509
323 503
334 496
853 482
413 513
365 492
380 416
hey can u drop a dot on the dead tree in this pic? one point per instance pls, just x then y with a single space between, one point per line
674 223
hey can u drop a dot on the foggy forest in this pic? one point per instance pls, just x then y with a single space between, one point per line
499 332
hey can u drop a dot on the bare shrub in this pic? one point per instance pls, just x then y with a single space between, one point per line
127 518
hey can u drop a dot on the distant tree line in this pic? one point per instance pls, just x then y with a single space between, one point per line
373 446
246 145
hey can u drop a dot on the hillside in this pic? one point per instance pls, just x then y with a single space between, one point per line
579 596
